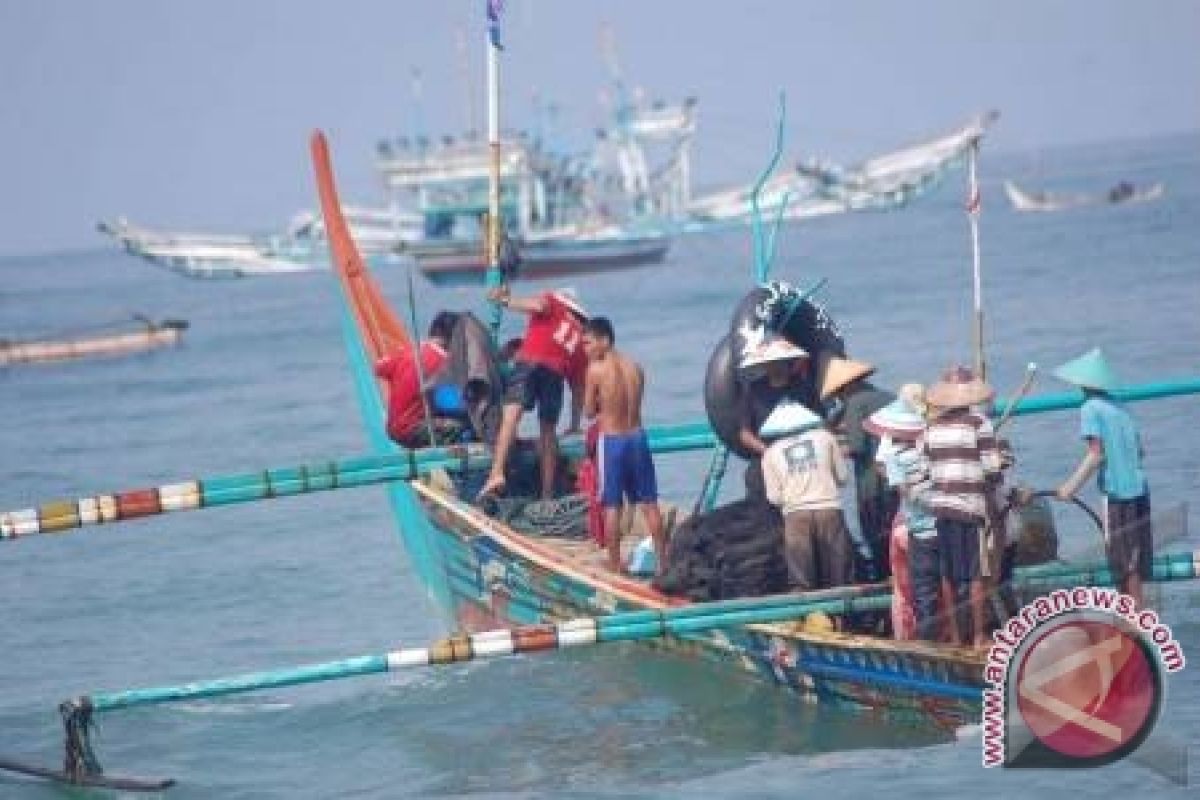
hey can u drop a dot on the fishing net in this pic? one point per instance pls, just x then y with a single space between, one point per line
561 517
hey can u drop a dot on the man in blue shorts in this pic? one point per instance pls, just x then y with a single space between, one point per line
613 396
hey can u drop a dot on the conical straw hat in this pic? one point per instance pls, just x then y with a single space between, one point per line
841 372
786 419
1090 371
959 388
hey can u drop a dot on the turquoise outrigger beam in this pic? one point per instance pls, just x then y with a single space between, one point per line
78 714
622 627
403 465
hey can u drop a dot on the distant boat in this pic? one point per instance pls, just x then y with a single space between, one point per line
1122 193
148 336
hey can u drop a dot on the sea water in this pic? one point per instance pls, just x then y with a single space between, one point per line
261 381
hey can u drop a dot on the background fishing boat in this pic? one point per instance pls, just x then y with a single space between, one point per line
301 247
816 189
202 255
1120 194
100 341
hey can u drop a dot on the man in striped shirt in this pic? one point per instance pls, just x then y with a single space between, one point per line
964 461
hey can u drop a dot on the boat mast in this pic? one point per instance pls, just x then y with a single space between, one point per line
492 237
973 205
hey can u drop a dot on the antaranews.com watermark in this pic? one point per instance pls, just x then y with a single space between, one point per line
1075 679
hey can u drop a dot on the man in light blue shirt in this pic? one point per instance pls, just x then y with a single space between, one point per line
1114 450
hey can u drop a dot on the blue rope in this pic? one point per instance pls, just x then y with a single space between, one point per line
764 251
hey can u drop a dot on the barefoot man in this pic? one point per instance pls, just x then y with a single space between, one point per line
547 356
613 396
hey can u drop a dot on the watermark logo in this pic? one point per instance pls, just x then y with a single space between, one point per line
1075 680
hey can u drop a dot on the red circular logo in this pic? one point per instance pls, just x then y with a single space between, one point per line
1088 689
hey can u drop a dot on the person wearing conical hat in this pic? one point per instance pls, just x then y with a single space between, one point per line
916 567
803 469
964 465
1113 450
775 371
550 355
844 384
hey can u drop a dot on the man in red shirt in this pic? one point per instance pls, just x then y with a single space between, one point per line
550 354
406 421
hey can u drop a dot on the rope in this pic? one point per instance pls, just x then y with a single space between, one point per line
762 263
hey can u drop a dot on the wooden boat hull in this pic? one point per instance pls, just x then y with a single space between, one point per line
457 265
113 345
486 576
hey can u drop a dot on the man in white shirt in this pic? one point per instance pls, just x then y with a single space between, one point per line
803 470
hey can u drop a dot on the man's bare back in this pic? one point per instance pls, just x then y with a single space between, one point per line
616 396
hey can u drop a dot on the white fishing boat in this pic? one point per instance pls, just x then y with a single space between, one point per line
302 247
1122 193
814 189
202 255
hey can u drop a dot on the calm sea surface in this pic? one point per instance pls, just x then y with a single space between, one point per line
261 381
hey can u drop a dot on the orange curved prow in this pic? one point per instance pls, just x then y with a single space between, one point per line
380 328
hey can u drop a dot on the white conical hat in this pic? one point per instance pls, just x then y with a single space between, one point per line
786 419
773 348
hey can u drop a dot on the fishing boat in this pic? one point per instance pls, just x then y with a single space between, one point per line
300 248
562 215
203 255
148 335
815 189
523 594
1123 193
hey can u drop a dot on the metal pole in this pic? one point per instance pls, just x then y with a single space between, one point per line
973 204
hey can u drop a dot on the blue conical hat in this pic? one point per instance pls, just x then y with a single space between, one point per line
1090 371
897 419
786 419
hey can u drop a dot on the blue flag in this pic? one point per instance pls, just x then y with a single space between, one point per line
494 9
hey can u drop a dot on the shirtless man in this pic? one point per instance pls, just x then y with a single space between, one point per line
613 396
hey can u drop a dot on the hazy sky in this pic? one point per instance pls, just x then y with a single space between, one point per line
194 114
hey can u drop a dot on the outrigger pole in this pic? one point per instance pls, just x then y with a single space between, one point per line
267 484
83 766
